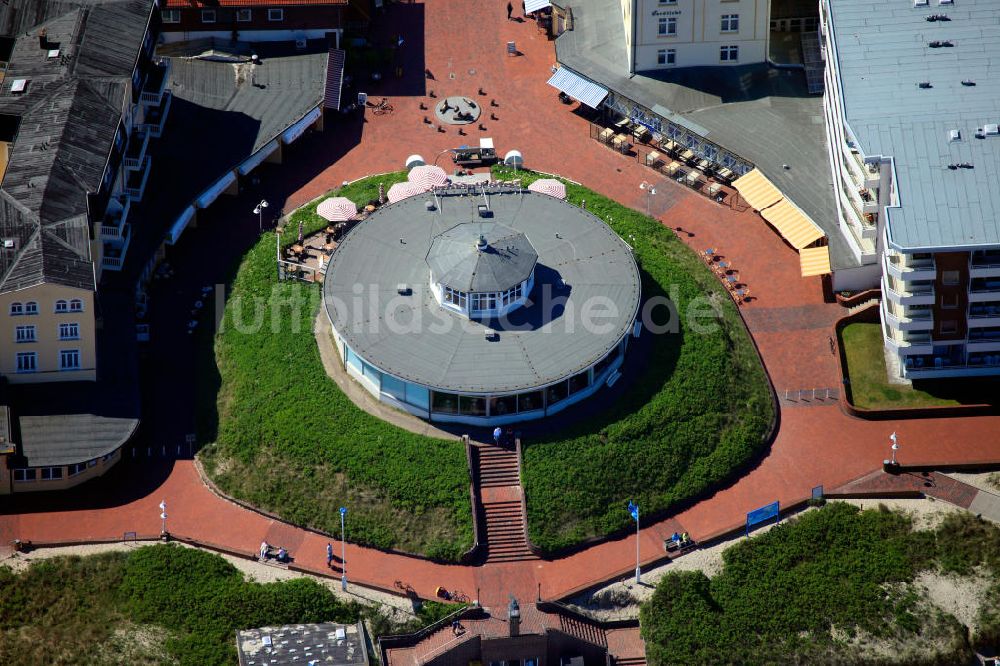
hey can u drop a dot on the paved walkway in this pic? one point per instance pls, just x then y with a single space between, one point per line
788 318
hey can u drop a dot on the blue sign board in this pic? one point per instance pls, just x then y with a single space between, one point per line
763 514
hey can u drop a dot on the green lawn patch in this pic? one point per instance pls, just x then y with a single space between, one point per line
833 586
288 440
870 388
155 605
700 409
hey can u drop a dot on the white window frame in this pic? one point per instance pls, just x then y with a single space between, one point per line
68 353
275 14
729 53
77 468
69 330
51 473
27 362
666 57
25 474
170 15
206 13
666 27
730 23
16 309
76 305
31 308
244 15
62 306
25 333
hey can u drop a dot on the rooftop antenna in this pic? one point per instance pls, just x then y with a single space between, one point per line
486 198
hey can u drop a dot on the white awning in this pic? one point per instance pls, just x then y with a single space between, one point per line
212 193
535 5
252 162
296 130
577 87
177 228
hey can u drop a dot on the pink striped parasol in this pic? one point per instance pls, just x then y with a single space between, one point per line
337 209
549 186
428 176
401 191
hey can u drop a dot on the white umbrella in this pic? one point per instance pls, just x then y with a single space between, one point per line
428 176
549 186
337 209
400 191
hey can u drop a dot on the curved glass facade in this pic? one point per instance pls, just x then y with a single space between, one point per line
433 404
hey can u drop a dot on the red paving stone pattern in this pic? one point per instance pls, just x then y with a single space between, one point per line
790 322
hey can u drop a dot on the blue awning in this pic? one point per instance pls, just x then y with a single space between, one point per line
582 90
179 225
296 130
252 162
212 193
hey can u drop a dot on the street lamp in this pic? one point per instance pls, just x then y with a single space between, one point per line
894 447
163 519
633 510
343 550
650 192
259 212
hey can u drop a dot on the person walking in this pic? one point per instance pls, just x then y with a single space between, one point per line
510 10
329 555
497 433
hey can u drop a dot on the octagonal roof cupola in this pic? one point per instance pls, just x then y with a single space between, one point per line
481 257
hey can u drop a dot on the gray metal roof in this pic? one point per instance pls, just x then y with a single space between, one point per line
302 644
455 258
69 113
580 261
761 113
884 52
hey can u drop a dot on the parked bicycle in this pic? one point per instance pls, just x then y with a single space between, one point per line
381 108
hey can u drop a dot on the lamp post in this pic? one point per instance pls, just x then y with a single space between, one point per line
343 550
259 212
894 447
650 192
633 510
163 519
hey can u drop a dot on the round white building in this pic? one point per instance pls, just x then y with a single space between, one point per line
483 308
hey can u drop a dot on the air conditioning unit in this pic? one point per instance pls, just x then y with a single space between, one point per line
992 129
920 3
8 244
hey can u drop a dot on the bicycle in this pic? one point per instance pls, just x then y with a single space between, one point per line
382 108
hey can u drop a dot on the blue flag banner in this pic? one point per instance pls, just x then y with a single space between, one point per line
633 510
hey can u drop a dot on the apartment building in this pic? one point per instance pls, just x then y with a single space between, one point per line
912 112
263 20
661 34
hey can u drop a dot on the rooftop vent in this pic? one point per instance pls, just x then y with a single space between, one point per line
481 244
18 85
992 129
8 243
924 84
920 3
492 336
968 82
946 2
403 289
954 135
53 53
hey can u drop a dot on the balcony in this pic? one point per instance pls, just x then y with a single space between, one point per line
903 267
135 184
908 293
113 227
984 265
907 319
869 172
909 343
982 290
136 151
156 83
156 116
114 252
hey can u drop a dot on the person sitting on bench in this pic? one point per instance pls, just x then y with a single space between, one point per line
263 550
282 555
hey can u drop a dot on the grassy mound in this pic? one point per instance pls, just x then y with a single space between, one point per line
836 585
700 409
289 441
155 605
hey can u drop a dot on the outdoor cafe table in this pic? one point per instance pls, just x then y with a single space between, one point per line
673 167
686 155
297 249
606 135
620 142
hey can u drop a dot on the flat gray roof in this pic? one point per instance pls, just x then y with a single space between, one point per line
412 337
884 52
761 113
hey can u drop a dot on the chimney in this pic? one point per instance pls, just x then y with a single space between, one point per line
43 40
514 618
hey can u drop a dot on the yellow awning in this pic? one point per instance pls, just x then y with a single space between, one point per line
758 191
792 224
814 260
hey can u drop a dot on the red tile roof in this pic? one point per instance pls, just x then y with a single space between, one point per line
198 4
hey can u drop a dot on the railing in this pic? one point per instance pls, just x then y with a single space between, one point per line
135 189
112 262
156 83
133 159
111 232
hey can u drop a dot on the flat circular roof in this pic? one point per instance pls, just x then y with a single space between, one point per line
585 296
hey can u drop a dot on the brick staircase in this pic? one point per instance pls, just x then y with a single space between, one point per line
630 661
499 488
583 630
